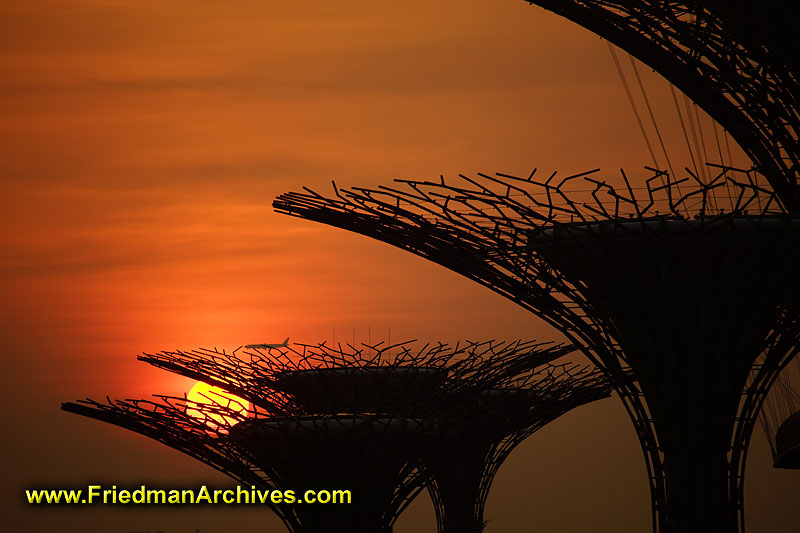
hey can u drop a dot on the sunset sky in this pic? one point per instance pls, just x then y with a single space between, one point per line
141 145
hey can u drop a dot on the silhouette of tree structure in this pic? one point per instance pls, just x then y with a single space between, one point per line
691 289
738 60
382 422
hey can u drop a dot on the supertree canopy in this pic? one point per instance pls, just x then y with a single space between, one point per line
691 287
737 59
370 421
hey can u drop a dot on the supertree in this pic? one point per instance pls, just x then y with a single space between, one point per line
736 59
692 290
496 423
495 413
365 420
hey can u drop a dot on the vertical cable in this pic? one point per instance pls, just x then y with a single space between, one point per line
683 126
632 103
652 116
721 157
699 168
704 153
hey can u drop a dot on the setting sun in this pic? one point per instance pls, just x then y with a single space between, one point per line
203 393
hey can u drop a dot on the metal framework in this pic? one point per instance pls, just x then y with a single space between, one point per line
736 59
780 417
374 420
691 287
302 378
495 424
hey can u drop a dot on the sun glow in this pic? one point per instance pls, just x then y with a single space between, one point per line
203 393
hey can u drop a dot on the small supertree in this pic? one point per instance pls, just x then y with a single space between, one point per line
494 424
364 420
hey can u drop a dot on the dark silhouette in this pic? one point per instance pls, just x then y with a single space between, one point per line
382 425
693 289
780 417
492 427
738 60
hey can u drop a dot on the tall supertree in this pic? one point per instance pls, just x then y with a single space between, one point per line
692 290
367 420
737 59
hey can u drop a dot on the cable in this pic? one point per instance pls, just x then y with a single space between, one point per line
690 120
703 145
719 151
632 103
700 133
652 117
683 127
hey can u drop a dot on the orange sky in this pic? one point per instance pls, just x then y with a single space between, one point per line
141 144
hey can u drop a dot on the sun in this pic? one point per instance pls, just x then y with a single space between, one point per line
203 393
